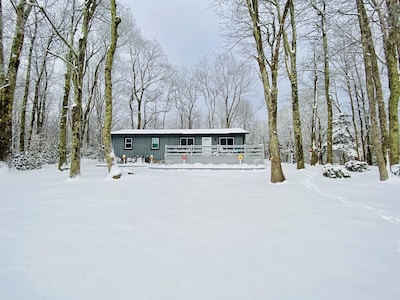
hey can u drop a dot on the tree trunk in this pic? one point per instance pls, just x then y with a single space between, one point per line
23 10
270 92
329 128
62 140
291 67
79 66
108 85
313 148
26 92
370 73
391 53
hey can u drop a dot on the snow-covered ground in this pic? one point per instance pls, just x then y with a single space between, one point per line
198 234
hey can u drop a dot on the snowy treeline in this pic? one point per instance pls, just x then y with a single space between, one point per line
217 91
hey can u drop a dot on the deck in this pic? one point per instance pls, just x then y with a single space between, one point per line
216 154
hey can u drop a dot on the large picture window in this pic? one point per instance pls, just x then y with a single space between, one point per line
155 143
187 141
128 144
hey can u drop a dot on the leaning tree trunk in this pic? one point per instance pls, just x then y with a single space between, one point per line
115 20
370 61
8 87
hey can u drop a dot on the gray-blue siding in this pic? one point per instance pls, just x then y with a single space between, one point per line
142 143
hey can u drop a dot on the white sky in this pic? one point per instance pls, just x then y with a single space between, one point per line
187 30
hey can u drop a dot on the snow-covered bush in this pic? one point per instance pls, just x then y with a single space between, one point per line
32 160
356 166
335 171
49 157
26 161
395 169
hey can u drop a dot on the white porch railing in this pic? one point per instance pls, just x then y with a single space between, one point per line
250 154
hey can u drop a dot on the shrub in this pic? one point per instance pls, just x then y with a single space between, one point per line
32 160
395 169
334 171
26 161
356 166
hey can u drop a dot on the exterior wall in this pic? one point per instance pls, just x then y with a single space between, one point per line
142 143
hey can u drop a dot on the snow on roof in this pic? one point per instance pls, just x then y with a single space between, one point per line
180 131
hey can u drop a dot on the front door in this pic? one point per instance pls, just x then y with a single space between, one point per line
206 143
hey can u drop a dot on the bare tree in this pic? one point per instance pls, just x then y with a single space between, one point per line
373 86
270 87
207 89
321 10
291 68
115 20
149 71
62 140
233 81
390 28
8 81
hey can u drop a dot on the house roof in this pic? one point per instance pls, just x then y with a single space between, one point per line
179 131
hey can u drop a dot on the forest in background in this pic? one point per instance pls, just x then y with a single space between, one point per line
328 92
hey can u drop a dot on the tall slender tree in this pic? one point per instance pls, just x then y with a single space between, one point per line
322 13
77 79
62 139
372 78
115 20
270 88
8 83
291 68
390 27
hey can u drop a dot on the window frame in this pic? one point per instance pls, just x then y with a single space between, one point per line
126 143
226 138
153 143
187 138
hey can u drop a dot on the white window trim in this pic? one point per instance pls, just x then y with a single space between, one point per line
158 143
126 143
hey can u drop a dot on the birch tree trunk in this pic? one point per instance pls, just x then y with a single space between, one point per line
115 20
8 85
371 79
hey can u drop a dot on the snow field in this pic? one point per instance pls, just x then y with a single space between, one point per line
198 234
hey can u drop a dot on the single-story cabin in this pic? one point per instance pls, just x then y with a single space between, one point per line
185 145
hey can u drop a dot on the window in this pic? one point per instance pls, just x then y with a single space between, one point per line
187 141
155 143
226 141
128 143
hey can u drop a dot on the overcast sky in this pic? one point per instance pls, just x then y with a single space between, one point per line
186 29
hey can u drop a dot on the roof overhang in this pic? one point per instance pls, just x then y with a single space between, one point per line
212 131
